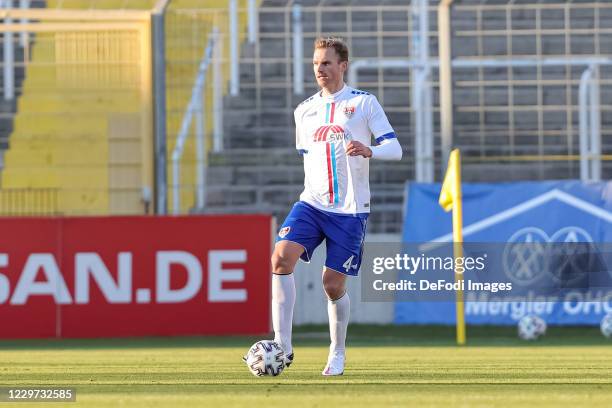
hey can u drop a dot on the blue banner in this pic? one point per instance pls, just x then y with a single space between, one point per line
551 211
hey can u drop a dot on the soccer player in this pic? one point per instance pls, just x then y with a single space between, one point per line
333 129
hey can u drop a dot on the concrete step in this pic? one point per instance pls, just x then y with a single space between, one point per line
387 201
249 118
256 175
250 156
496 172
284 136
6 124
521 95
293 174
253 195
262 137
8 107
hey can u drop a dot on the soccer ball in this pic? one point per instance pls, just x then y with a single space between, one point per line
606 325
266 357
531 327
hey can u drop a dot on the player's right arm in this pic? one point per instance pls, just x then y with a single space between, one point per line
299 141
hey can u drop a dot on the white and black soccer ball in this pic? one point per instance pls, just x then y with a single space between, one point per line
265 357
531 327
606 325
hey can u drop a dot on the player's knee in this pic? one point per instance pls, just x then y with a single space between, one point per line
333 289
280 264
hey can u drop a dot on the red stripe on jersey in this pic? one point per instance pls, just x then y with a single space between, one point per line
331 115
329 174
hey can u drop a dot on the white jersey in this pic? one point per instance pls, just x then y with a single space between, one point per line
324 125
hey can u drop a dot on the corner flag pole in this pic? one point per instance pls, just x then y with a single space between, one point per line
450 198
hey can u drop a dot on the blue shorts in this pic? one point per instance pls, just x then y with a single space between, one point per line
343 233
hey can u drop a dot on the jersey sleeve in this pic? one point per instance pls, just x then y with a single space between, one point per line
377 121
299 141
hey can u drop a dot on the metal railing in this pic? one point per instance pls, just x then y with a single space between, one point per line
532 112
158 35
298 50
9 47
187 35
29 202
588 105
9 58
233 32
195 108
590 125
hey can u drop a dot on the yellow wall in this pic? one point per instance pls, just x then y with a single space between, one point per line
79 119
78 122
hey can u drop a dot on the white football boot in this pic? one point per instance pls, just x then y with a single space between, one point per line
335 364
288 359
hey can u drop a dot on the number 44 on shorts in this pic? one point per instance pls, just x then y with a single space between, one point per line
349 264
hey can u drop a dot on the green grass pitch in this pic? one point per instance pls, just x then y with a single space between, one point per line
386 366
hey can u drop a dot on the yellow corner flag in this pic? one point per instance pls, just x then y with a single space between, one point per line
451 187
450 199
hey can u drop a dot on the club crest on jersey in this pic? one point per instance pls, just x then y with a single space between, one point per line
349 111
284 231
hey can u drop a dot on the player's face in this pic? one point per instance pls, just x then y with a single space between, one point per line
328 69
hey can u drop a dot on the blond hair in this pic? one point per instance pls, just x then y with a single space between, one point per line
336 43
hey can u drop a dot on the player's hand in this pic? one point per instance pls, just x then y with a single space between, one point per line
355 148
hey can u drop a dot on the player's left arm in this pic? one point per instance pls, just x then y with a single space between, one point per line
388 147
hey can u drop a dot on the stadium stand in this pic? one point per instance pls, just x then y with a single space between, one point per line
511 123
76 125
62 159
